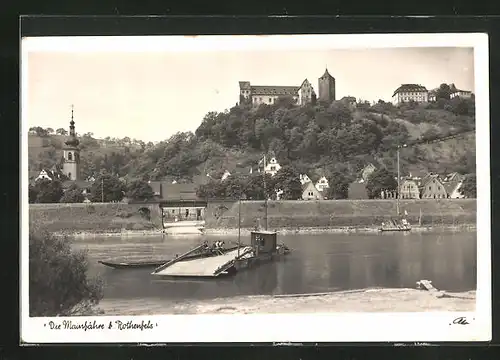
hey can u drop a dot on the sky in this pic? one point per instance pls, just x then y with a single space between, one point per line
150 95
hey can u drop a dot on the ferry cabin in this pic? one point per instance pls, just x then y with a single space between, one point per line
264 242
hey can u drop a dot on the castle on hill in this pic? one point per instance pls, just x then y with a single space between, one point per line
302 95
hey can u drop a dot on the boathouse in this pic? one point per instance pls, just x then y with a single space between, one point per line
179 202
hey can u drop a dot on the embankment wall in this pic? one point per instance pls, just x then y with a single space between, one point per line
95 217
116 217
340 213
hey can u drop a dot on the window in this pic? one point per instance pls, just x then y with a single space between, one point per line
173 211
270 100
273 168
70 156
429 188
69 175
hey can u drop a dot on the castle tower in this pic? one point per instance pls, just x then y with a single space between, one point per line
326 88
71 166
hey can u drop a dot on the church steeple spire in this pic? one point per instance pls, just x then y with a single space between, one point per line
72 141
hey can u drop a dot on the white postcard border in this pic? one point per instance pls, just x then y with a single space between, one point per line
330 327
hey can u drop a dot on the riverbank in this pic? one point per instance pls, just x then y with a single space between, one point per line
337 230
366 300
122 219
81 235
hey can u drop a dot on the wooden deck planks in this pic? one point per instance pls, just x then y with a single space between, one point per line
199 267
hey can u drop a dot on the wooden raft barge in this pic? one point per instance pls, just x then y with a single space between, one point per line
263 248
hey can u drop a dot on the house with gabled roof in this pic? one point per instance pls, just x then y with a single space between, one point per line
310 192
49 174
322 184
409 189
304 178
367 171
453 189
455 92
432 188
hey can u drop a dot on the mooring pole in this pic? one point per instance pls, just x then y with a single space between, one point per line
265 193
239 226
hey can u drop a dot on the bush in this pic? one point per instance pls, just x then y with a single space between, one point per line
58 281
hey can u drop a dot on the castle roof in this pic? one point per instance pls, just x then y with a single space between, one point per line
275 90
326 75
410 88
245 85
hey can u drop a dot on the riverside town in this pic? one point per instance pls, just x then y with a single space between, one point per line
300 187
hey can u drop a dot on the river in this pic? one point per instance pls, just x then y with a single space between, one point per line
318 263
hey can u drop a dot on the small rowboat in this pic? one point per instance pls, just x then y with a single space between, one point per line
133 264
145 264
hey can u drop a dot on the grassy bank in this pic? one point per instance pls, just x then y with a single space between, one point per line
367 300
295 215
96 218
286 216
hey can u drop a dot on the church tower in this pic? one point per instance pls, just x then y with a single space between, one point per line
71 166
326 88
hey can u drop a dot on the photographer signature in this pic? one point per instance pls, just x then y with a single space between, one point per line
460 321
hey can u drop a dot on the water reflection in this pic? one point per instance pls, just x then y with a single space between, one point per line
318 263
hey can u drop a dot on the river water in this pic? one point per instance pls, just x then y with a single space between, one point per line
318 263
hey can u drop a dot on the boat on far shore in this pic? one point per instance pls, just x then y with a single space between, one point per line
395 225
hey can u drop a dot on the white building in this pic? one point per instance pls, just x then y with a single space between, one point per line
44 174
272 167
461 94
304 179
322 184
225 175
410 92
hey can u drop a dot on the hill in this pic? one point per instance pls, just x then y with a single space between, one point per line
314 138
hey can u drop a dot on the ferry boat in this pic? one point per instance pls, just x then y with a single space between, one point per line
395 225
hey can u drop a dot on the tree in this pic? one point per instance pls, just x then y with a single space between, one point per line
112 186
234 187
469 188
380 180
32 194
73 195
61 131
139 190
48 191
214 189
338 185
443 92
59 284
254 188
287 179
